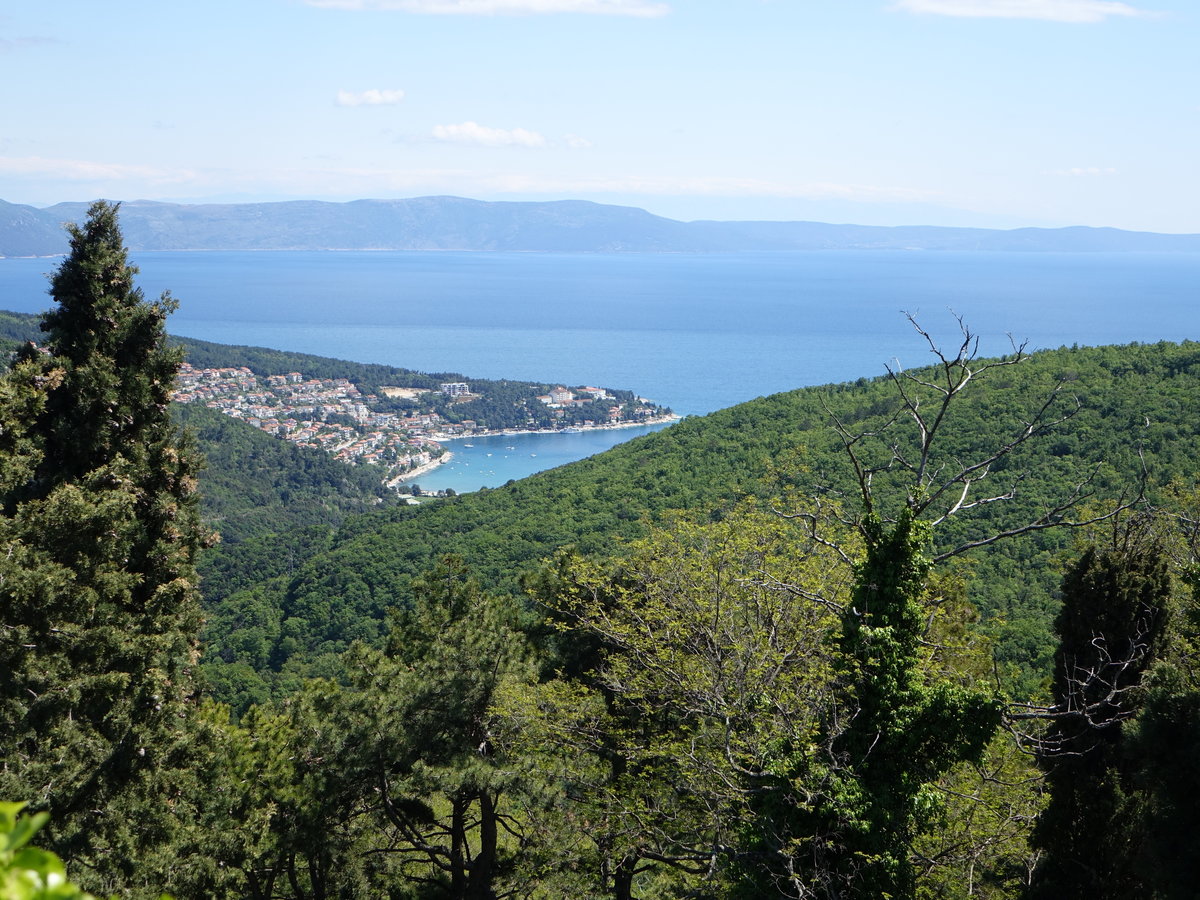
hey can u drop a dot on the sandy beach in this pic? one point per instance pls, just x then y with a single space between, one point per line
412 474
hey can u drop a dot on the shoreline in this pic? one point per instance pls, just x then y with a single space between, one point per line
434 464
574 429
424 469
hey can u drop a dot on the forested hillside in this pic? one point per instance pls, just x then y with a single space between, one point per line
1122 402
644 656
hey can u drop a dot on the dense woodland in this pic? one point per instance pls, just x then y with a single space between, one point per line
929 635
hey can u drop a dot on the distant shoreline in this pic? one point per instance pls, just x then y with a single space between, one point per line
420 470
653 420
434 464
436 224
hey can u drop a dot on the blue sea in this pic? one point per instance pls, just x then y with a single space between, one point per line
696 332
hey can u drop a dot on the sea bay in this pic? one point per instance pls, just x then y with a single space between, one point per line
696 332
492 460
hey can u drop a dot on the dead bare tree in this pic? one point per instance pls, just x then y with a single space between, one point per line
907 486
935 490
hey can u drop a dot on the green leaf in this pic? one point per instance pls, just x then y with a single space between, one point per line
43 862
23 831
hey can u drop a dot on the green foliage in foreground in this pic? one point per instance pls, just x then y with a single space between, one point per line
769 698
706 725
26 872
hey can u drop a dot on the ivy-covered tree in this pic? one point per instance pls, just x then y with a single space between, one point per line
98 605
903 730
899 728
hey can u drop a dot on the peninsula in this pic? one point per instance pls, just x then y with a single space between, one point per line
399 429
371 414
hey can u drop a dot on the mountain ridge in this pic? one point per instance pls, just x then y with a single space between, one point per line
457 223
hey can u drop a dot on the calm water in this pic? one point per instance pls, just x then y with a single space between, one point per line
697 332
491 461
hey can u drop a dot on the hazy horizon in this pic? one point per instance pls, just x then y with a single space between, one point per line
975 113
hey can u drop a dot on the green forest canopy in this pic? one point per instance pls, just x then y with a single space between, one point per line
276 505
1128 406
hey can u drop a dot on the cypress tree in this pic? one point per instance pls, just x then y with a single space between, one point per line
1110 629
99 531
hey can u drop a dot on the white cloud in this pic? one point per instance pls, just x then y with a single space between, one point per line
1084 172
474 133
373 97
87 170
1047 10
575 142
638 8
11 45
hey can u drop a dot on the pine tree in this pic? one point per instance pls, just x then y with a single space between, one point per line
99 531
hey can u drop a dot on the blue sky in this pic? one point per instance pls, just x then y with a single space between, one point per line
944 112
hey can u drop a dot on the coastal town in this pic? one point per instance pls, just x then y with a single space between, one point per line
400 431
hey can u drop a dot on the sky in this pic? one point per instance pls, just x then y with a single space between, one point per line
996 113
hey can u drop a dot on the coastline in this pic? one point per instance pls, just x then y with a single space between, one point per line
421 470
654 420
434 464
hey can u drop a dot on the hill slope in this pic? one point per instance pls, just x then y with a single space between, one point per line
1137 398
254 483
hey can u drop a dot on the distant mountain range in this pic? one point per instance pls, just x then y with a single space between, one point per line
455 223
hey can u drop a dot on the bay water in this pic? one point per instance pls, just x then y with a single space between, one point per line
696 332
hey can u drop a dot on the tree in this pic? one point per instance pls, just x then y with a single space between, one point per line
1111 627
682 668
1163 737
821 784
903 730
899 728
1162 745
389 783
426 734
978 845
100 530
